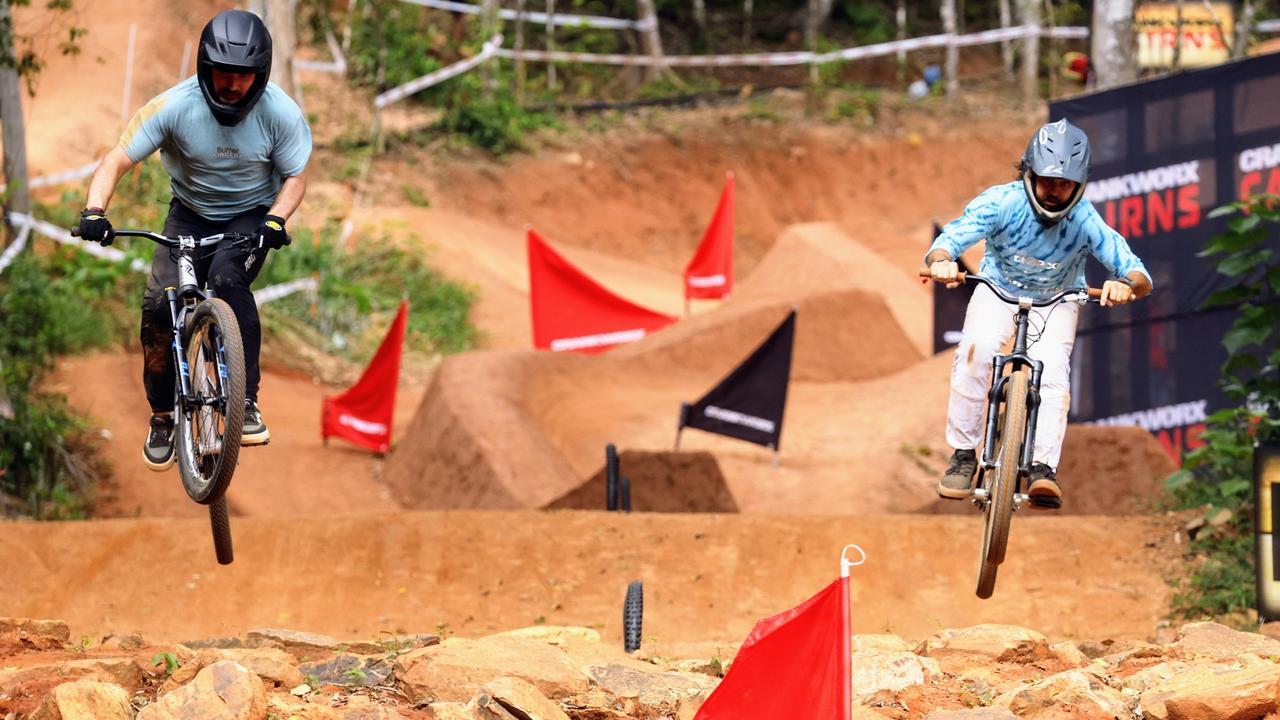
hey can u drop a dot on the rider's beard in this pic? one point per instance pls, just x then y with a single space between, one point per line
230 97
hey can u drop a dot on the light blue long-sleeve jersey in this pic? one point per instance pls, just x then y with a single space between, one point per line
1025 257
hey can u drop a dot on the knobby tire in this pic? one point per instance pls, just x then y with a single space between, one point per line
1004 482
220 521
214 339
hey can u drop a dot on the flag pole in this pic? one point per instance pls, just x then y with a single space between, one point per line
846 704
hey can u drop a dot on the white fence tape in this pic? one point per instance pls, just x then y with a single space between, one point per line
338 65
791 58
15 247
49 230
1268 26
58 178
397 94
592 21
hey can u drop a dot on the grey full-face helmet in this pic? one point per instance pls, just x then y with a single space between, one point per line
1057 150
234 41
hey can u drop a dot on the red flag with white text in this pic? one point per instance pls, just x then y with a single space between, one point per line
792 665
363 413
573 312
710 272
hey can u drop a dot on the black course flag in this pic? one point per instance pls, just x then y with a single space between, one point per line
748 404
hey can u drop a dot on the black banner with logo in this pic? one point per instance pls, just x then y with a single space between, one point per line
1165 153
749 403
949 306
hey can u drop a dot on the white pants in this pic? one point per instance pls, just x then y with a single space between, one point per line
988 325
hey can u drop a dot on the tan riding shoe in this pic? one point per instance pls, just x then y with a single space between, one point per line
1044 491
957 483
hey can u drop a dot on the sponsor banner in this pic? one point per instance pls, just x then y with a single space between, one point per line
396 94
709 274
1205 28
1165 153
363 414
750 402
572 312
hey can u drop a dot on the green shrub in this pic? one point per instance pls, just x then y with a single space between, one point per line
1219 475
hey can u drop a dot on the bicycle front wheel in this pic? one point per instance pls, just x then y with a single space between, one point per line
211 420
1004 483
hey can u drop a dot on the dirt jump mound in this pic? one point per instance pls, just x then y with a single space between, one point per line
659 482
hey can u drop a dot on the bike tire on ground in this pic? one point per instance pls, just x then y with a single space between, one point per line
633 616
220 522
214 318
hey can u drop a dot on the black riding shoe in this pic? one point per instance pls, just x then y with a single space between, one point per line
957 483
1044 491
157 451
254 431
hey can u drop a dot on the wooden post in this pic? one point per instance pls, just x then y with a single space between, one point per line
950 27
1055 57
1030 52
488 26
748 9
551 44
125 100
811 44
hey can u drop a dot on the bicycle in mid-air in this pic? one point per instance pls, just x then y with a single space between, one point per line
209 391
1012 402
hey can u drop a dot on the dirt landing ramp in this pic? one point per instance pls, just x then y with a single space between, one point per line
707 578
1104 471
660 482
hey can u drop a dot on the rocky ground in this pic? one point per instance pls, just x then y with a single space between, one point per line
1203 671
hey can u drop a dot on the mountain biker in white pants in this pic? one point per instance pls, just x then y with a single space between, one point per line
1039 231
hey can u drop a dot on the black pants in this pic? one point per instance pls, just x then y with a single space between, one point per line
228 271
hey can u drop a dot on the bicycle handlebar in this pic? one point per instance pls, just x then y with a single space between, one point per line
1091 292
168 242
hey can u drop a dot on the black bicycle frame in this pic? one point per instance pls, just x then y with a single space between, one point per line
1018 359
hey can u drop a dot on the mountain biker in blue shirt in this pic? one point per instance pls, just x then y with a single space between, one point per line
1039 231
235 146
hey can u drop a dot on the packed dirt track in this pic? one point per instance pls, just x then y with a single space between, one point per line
707 577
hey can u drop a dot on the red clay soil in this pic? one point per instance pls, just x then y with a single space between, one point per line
707 578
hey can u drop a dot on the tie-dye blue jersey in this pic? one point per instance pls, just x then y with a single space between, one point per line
1024 256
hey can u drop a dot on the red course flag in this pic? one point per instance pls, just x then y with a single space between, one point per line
573 312
363 413
710 272
792 665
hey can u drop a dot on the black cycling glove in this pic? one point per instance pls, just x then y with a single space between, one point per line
95 227
272 232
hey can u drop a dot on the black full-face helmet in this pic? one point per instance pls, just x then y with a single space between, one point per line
235 41
1057 150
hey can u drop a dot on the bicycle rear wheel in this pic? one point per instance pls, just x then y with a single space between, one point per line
209 428
1004 483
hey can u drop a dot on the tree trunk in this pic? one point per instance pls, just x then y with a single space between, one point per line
520 68
651 39
279 16
1030 17
551 43
1244 28
1006 47
748 9
17 197
950 27
1177 36
700 16
1112 52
